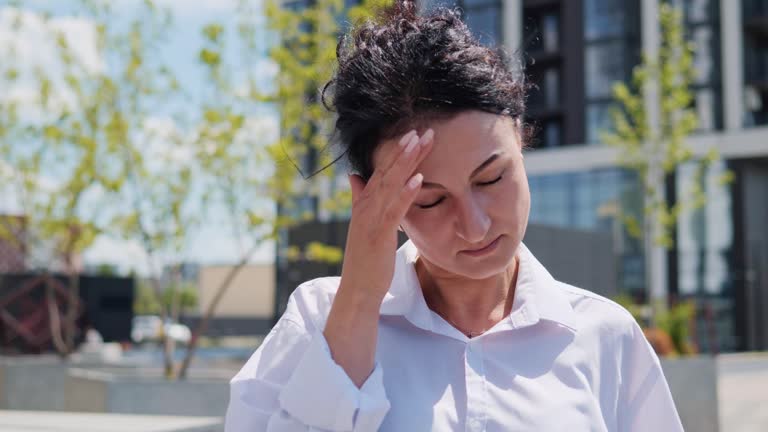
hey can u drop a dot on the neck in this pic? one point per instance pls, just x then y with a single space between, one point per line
471 305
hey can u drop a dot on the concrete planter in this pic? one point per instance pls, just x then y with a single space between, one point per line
693 383
99 422
146 391
37 382
742 383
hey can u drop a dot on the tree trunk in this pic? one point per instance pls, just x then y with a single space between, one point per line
655 253
202 326
73 308
167 343
54 317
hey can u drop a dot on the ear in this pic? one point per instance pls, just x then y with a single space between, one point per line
357 184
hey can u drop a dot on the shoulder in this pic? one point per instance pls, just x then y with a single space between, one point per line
608 328
599 313
310 302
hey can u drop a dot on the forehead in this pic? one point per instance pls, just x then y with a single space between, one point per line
461 142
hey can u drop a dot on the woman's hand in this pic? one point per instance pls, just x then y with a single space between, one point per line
378 207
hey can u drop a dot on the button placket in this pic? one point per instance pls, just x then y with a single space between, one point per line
475 381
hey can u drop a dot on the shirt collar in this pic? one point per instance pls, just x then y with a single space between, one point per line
538 295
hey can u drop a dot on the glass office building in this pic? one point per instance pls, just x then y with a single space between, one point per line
574 51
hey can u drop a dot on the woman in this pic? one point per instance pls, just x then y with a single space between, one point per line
460 328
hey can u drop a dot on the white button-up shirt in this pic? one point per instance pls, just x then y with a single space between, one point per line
565 359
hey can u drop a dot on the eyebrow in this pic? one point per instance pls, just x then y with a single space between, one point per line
493 157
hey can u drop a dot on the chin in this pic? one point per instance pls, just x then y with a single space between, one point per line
483 270
487 266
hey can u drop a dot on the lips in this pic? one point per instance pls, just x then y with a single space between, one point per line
480 250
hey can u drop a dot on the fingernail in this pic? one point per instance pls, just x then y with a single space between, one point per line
415 181
427 137
412 144
407 138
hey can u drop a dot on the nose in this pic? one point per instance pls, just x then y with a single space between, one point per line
472 221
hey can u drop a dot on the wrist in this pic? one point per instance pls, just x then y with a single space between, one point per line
364 301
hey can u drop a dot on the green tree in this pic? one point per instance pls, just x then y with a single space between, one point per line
50 145
304 53
650 127
87 160
145 301
158 207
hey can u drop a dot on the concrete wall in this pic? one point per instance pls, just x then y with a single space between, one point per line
693 383
32 383
37 382
86 391
142 391
742 390
251 294
594 267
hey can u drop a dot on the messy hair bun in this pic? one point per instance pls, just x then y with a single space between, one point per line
407 69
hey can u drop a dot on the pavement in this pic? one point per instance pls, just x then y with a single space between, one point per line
743 392
48 421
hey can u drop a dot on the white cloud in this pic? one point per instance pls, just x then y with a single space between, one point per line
127 255
30 40
166 142
33 38
211 247
267 69
201 5
257 133
10 201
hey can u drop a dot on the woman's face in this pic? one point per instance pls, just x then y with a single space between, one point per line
471 213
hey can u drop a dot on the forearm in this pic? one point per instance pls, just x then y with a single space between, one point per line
351 332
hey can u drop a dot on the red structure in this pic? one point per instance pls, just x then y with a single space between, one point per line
25 314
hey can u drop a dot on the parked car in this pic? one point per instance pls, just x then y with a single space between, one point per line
149 328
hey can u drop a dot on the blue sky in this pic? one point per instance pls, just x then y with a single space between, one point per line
213 244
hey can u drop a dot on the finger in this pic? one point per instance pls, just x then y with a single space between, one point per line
395 177
399 208
405 141
357 184
392 158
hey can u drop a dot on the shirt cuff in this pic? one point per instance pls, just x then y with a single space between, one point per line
320 394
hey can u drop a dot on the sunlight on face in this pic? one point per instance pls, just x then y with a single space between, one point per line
475 193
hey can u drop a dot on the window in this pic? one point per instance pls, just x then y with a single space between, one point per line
702 27
753 8
605 65
483 17
485 23
598 121
550 33
604 18
705 109
755 65
551 87
552 134
612 49
698 10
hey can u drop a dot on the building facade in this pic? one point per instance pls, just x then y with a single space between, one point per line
574 50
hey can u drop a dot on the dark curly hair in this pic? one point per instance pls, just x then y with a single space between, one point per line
408 69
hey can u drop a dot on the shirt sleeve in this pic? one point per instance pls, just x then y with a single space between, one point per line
646 403
291 383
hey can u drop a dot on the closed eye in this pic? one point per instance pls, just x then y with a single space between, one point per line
490 182
426 206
